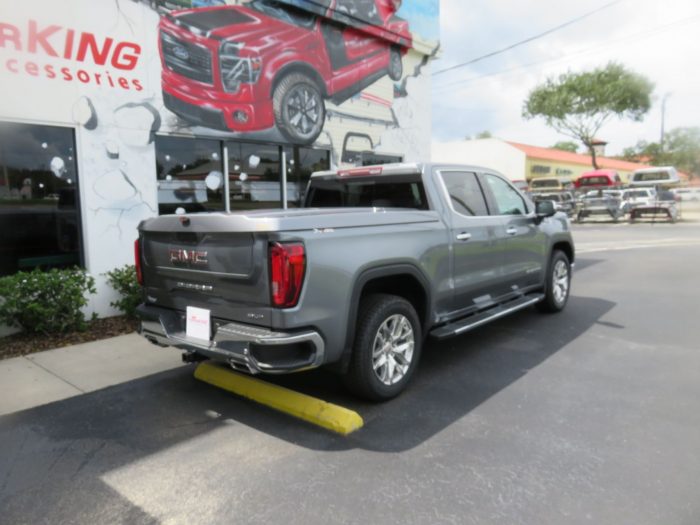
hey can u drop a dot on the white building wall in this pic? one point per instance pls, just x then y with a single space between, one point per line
490 153
114 124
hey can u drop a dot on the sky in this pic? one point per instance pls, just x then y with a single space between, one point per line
659 39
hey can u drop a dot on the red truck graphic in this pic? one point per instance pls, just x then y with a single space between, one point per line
250 67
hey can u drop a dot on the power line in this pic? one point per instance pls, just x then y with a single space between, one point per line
604 45
528 40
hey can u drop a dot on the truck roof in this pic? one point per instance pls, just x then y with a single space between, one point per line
397 168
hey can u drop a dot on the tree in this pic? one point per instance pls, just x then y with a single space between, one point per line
566 145
681 149
486 134
578 104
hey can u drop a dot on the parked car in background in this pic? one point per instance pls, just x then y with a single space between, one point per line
563 200
634 197
547 184
598 179
521 184
664 206
666 176
687 194
600 203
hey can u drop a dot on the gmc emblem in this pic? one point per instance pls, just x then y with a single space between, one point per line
189 257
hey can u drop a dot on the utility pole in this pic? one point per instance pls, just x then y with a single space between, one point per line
663 119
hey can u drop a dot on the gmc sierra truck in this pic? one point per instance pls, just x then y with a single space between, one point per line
377 260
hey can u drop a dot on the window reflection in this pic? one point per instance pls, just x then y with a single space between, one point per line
254 175
190 175
39 212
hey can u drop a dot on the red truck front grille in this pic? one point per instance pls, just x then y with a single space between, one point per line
187 59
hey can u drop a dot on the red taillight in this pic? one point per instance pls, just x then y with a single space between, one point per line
287 266
137 261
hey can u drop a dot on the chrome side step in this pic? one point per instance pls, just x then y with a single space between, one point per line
481 318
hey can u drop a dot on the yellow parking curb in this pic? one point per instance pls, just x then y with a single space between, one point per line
316 411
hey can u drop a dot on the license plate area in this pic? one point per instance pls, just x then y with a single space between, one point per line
198 323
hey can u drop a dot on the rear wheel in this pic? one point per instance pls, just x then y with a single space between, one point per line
387 348
558 283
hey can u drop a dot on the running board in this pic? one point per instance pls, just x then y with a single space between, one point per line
481 318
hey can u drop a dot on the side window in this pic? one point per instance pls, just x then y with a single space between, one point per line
508 201
465 193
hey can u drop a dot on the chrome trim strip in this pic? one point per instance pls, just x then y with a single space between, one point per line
202 272
498 315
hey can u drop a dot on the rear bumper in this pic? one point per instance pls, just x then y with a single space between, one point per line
244 347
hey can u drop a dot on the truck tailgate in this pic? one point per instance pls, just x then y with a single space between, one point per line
224 272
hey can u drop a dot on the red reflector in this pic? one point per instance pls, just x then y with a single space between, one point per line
287 266
137 261
354 172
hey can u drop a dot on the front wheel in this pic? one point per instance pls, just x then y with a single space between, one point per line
387 348
558 283
299 108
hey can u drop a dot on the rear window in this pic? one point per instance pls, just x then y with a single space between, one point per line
404 191
594 181
545 183
651 176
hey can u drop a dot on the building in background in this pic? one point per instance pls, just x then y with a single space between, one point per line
525 162
117 110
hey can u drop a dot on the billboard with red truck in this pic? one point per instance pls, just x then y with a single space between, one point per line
268 63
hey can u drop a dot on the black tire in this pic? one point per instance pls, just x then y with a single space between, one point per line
553 300
299 108
375 316
395 70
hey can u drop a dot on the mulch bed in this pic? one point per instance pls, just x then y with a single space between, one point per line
23 344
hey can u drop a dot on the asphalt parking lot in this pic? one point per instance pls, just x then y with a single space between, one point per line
588 416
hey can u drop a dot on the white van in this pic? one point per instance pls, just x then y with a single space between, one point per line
666 176
687 194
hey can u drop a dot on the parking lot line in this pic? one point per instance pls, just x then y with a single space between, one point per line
327 415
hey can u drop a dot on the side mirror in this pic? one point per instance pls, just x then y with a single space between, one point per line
544 209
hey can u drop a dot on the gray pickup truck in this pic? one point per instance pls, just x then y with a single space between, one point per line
378 259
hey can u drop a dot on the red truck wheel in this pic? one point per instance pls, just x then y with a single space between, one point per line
395 64
299 108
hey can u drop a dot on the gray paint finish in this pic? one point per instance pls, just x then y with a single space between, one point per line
343 243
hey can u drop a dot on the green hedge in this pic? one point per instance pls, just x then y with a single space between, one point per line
46 301
123 280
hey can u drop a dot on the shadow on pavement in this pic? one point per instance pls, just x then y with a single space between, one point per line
582 263
57 453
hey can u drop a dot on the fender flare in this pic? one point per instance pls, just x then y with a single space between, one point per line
358 286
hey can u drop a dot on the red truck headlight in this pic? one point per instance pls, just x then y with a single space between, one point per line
287 267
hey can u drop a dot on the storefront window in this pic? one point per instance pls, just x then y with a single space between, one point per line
190 175
39 210
254 175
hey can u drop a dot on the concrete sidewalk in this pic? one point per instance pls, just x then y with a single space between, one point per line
44 377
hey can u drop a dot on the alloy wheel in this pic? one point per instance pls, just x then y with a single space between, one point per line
392 351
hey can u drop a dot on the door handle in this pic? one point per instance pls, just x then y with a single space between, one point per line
512 231
464 236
